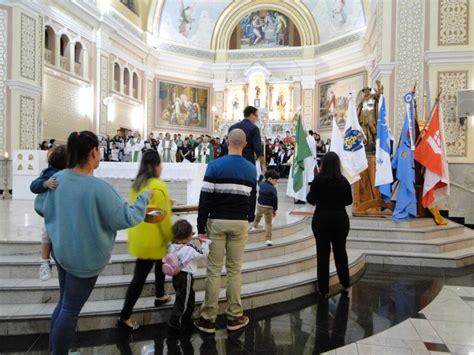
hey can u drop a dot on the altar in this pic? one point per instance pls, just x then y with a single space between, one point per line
193 174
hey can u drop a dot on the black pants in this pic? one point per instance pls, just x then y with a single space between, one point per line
331 229
185 299
252 203
142 269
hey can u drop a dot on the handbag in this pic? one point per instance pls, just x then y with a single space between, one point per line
155 214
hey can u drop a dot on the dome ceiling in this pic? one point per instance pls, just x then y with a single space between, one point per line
192 22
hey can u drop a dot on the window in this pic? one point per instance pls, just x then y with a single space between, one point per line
135 86
116 77
126 81
129 4
49 45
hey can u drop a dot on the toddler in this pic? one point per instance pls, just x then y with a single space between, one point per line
267 204
57 160
188 256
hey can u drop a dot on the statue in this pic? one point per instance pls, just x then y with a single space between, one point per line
217 123
367 113
281 104
257 92
235 106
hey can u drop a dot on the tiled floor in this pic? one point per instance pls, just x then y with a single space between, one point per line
389 311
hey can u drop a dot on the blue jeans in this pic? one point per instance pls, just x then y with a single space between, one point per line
73 293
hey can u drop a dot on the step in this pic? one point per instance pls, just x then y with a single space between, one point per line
33 290
31 246
437 245
18 319
26 266
451 259
418 233
388 222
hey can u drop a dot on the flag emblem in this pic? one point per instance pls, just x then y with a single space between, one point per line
353 140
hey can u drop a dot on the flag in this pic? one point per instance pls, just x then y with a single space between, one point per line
383 167
403 162
353 156
302 151
337 146
431 153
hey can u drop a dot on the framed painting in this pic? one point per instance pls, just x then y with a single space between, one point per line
182 105
334 98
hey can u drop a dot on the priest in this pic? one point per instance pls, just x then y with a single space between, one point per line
134 147
167 149
204 152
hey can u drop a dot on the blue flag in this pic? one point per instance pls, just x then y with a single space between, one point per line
383 168
403 162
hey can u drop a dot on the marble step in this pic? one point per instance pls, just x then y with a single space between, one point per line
451 259
32 290
436 245
16 319
390 223
31 246
26 266
403 233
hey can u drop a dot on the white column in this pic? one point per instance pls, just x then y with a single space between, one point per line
57 51
121 81
85 64
139 89
71 57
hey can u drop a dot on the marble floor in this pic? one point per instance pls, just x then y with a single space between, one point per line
391 310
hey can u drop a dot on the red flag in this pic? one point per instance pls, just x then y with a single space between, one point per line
431 153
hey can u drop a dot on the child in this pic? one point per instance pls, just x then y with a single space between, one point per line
115 153
267 203
187 255
57 160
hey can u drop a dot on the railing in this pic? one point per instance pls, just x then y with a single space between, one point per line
48 56
78 69
135 93
116 86
64 63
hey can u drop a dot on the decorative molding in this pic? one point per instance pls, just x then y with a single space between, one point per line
379 29
30 89
265 53
193 52
337 43
27 122
462 56
28 47
127 25
308 105
3 77
149 105
382 69
104 93
409 53
450 82
453 22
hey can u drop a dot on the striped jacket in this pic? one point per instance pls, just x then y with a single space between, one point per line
226 189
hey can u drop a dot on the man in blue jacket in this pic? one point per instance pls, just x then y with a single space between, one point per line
252 150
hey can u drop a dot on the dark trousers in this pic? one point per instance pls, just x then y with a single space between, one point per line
142 269
252 203
331 229
73 293
185 299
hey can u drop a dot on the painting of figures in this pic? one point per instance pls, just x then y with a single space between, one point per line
334 98
182 105
266 28
190 22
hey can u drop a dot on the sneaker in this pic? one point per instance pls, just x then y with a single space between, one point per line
238 323
205 325
269 243
45 271
162 300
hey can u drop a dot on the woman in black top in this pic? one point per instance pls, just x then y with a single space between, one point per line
330 192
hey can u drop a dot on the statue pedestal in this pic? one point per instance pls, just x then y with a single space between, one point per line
367 200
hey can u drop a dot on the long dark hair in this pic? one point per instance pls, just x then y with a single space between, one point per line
150 160
79 145
330 168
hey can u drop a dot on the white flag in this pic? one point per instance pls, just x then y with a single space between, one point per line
354 158
337 146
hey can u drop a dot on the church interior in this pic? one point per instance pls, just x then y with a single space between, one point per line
176 69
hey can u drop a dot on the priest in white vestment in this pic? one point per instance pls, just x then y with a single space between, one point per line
310 163
134 147
167 149
204 152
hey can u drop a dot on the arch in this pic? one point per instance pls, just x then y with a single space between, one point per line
49 44
78 52
135 85
126 81
296 11
117 77
64 52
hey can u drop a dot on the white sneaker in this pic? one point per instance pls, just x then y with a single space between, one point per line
45 271
269 243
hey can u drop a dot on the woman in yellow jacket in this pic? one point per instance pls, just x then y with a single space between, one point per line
148 242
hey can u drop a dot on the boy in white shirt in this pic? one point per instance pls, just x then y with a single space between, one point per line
114 153
188 256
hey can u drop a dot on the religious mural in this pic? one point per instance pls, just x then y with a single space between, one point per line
182 105
334 98
264 28
190 22
336 17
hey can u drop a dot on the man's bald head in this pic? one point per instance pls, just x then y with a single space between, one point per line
237 141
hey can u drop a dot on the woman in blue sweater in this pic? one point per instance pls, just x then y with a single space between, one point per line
82 217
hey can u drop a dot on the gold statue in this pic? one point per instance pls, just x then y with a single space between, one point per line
281 104
367 113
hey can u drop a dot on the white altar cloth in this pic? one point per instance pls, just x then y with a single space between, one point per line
192 173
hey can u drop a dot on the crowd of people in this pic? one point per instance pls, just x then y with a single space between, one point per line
81 239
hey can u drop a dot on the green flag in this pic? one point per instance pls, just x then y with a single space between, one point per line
302 151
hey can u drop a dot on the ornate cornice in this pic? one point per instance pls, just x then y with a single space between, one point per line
465 56
382 69
34 90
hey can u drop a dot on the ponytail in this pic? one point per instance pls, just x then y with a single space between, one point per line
79 145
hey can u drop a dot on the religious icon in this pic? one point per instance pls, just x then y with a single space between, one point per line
186 20
19 156
235 106
281 105
367 114
257 92
20 167
31 157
